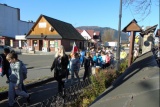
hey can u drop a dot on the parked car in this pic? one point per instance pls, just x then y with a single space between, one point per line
5 46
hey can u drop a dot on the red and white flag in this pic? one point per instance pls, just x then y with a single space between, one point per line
75 48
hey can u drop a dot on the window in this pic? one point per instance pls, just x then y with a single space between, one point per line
51 43
34 42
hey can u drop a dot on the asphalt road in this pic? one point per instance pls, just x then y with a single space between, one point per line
39 67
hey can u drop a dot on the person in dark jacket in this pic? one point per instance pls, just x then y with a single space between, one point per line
59 65
6 64
87 65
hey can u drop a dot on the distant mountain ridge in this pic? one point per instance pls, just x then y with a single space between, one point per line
124 36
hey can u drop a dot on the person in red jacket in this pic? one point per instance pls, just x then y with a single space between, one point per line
107 59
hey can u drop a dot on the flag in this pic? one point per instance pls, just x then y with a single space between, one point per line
75 48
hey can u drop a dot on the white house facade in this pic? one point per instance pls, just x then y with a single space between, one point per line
86 35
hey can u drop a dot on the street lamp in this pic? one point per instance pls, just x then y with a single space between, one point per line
119 36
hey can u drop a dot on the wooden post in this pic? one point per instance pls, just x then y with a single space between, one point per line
132 27
131 50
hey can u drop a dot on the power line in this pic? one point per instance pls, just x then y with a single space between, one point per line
131 12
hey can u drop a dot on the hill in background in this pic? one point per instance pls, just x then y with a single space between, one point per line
124 36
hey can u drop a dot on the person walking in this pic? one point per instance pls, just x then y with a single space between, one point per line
87 65
107 60
103 55
15 79
82 55
6 64
75 66
136 53
59 65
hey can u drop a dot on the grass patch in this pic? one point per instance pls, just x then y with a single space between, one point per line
4 88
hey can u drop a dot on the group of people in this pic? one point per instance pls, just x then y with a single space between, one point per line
101 57
11 66
65 65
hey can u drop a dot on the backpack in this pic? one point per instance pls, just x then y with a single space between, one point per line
24 71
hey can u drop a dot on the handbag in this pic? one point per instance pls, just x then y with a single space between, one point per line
59 71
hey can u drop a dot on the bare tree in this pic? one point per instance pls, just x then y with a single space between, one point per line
142 7
108 35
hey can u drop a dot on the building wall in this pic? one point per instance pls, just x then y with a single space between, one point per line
85 35
43 27
8 20
25 29
10 23
68 44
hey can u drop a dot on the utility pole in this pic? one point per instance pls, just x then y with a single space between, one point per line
159 16
119 37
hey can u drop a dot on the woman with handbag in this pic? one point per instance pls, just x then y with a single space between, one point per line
59 65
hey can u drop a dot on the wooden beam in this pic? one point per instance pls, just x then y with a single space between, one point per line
131 50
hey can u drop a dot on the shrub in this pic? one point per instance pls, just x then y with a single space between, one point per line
123 65
100 82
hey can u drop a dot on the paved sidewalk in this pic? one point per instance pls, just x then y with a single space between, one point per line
41 90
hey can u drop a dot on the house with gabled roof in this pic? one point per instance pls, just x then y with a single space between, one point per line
48 33
92 37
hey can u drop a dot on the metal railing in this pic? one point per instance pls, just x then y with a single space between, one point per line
68 96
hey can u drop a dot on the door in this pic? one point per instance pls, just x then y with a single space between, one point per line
40 45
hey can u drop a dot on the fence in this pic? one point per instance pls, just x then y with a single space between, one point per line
68 96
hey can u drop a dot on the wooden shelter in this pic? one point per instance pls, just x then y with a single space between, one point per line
48 33
132 27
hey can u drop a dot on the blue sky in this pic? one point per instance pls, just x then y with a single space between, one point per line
102 13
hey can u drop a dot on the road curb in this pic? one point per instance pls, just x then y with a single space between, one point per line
4 95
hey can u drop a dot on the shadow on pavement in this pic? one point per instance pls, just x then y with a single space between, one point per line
38 94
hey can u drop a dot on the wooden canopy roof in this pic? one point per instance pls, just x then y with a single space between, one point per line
132 26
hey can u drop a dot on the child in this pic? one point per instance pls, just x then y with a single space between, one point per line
75 65
82 54
87 65
107 60
95 59
103 60
16 79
